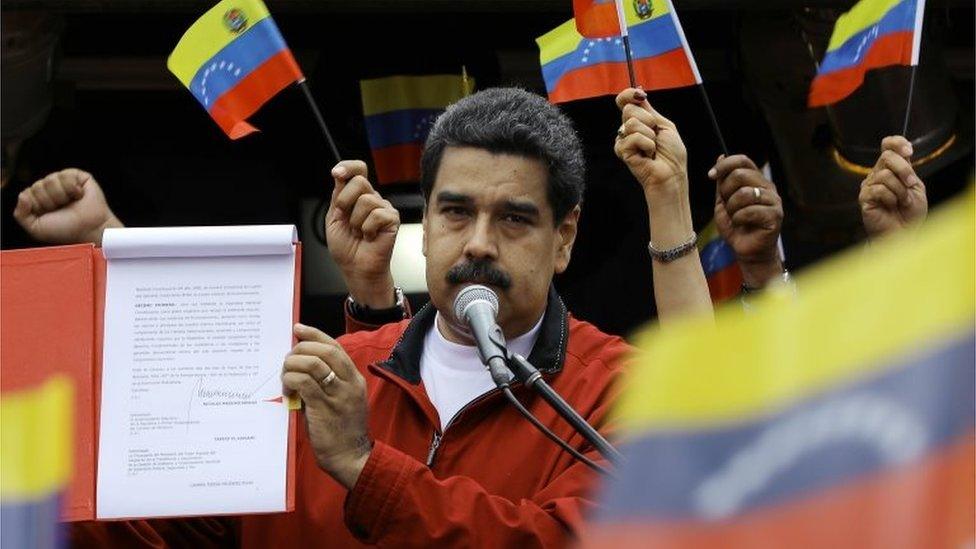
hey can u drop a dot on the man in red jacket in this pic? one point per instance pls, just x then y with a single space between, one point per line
406 441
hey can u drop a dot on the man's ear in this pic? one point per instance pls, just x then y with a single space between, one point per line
565 237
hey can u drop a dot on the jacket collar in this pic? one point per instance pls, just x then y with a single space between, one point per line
547 355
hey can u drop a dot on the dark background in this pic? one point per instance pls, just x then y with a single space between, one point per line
118 113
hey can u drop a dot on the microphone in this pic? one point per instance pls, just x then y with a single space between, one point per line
477 306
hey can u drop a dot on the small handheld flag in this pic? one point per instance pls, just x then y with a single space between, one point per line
399 112
875 33
718 261
651 47
575 67
233 60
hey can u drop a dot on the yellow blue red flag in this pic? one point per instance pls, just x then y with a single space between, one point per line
575 67
36 442
233 60
399 112
718 260
840 416
874 33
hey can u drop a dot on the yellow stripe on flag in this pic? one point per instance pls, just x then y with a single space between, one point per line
864 14
36 441
849 319
565 38
659 8
396 93
208 35
558 42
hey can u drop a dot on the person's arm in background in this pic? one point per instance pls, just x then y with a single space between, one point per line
65 207
652 149
749 217
892 196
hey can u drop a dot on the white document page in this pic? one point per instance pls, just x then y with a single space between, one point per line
193 348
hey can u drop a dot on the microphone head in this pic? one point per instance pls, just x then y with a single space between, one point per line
471 294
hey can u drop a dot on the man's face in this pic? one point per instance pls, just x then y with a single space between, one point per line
488 221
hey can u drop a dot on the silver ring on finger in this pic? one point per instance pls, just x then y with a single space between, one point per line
327 379
620 133
757 192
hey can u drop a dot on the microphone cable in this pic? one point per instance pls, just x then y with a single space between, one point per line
552 436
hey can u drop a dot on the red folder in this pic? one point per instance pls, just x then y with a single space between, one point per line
51 323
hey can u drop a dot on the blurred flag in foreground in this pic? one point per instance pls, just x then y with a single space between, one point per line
875 33
841 417
575 67
35 462
233 60
399 112
718 261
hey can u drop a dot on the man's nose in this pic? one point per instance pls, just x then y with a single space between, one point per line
481 243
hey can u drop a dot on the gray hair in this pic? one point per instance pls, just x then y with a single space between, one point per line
512 121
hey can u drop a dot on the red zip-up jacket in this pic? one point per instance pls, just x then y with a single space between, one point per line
490 479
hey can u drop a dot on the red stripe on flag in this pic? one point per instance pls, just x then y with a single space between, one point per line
397 163
890 49
725 284
231 109
668 70
927 504
595 18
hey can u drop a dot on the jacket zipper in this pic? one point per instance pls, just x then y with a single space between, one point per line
435 443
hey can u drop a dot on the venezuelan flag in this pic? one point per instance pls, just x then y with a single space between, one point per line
841 416
233 60
575 67
35 462
875 33
718 261
399 112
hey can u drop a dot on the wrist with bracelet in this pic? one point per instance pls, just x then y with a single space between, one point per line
670 254
369 315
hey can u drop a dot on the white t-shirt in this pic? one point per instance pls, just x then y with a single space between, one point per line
453 374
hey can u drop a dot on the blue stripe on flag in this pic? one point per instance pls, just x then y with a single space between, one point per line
924 402
399 127
647 39
716 255
31 523
236 60
901 17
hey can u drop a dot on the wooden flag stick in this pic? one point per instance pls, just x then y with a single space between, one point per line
630 62
711 115
908 109
318 117
622 21
916 48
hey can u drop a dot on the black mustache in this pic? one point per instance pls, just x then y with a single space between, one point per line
479 272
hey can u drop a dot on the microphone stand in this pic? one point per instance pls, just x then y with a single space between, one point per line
529 375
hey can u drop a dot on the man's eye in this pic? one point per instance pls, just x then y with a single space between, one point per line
515 218
454 211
